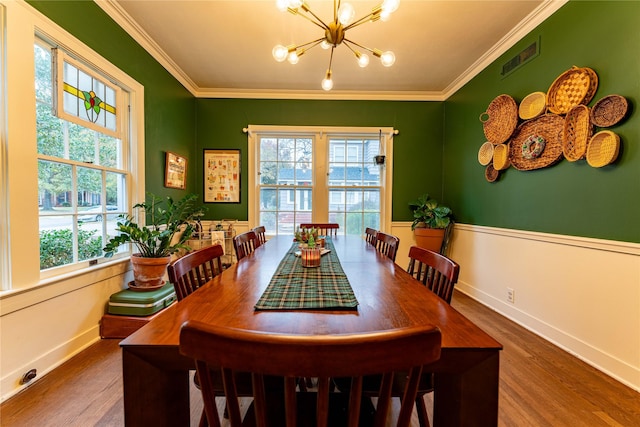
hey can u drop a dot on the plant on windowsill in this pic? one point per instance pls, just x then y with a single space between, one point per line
169 227
429 222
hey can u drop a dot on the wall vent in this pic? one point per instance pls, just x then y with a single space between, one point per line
521 58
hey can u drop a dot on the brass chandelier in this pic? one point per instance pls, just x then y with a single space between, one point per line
335 33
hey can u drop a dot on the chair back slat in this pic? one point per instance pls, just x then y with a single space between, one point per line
261 234
371 236
297 356
388 245
245 244
195 269
324 229
435 271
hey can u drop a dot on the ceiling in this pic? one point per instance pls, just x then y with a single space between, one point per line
222 48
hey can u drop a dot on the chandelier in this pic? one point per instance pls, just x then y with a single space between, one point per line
335 33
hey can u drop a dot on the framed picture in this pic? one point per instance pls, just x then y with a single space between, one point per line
175 171
222 176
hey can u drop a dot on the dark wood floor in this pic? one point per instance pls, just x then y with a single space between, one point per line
540 385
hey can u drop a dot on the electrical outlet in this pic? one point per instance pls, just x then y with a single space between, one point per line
511 295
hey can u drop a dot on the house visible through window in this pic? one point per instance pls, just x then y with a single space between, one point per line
313 176
83 170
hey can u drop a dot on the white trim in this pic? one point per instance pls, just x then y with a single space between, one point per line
122 18
5 270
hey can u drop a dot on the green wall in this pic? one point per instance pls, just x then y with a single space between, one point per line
568 198
417 148
169 107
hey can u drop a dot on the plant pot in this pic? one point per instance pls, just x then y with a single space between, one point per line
148 273
429 238
379 160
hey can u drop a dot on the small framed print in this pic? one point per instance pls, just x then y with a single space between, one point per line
175 171
222 176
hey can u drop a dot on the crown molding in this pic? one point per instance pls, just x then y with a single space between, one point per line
124 20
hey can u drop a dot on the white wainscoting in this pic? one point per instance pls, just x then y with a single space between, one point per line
579 293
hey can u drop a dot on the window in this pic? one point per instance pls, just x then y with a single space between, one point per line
83 173
318 175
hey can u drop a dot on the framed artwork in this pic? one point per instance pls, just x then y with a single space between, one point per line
222 176
175 171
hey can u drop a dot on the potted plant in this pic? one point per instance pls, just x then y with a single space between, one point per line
429 222
169 227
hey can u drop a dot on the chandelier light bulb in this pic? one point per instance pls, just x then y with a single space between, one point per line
390 6
280 53
327 83
385 16
293 58
346 13
388 58
294 4
363 59
325 44
282 5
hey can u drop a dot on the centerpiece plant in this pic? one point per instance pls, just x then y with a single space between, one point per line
169 225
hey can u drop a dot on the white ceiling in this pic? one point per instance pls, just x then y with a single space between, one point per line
222 48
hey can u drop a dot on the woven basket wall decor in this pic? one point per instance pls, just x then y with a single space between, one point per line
490 173
532 105
571 88
500 119
549 127
501 157
603 148
485 153
577 132
609 111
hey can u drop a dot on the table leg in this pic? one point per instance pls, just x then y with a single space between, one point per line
469 398
153 396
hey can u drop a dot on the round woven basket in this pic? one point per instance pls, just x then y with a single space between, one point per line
547 126
603 148
576 133
490 173
569 89
501 157
500 119
532 105
593 85
485 153
609 111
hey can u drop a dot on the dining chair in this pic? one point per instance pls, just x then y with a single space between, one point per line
261 232
387 245
195 269
371 236
324 229
439 274
234 350
245 243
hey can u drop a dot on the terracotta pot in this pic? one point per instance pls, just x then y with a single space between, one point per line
148 273
429 238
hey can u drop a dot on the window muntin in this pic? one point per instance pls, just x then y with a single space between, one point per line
82 173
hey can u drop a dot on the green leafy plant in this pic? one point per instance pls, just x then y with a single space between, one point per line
428 212
165 219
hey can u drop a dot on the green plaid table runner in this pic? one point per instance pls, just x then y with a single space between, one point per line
294 287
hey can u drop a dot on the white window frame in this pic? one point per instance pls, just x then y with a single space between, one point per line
19 186
321 135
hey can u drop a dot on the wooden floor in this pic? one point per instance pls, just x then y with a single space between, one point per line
540 385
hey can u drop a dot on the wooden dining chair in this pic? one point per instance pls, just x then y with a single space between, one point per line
294 356
261 232
195 269
440 275
245 243
371 236
387 245
324 229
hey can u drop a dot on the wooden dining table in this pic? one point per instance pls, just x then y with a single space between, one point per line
156 376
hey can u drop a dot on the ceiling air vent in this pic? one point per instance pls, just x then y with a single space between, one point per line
521 58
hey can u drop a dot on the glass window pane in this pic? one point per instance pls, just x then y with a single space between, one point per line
56 241
268 149
54 187
268 172
89 187
354 223
268 200
89 242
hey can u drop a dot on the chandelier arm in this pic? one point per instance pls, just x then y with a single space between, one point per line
360 21
331 57
373 51
317 21
348 46
315 43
